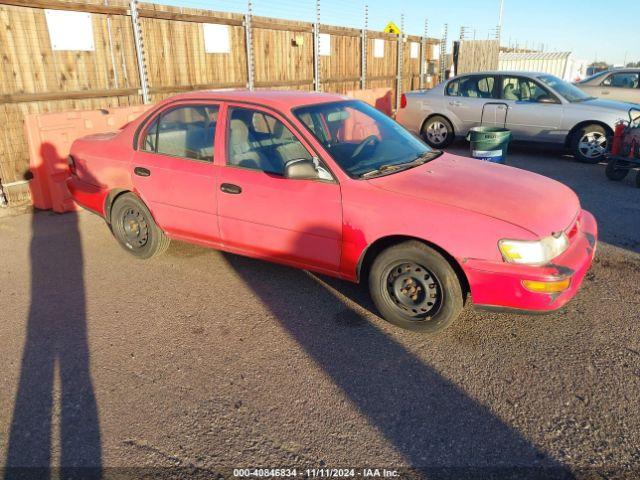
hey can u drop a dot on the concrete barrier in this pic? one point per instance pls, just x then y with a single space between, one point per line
49 137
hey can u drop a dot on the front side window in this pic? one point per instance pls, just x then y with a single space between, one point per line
522 90
260 141
622 80
360 138
186 132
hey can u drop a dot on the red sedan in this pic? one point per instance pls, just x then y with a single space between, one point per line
331 185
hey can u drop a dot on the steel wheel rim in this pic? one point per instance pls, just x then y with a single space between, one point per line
593 144
135 228
414 290
437 132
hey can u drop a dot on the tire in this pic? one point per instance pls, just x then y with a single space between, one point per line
615 174
638 179
133 226
438 132
415 288
589 143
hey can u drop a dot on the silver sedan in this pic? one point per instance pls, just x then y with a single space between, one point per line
622 84
536 107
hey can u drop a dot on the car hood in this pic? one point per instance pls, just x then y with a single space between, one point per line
533 202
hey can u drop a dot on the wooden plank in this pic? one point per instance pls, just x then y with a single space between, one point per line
340 31
189 88
290 83
271 25
48 96
187 17
75 6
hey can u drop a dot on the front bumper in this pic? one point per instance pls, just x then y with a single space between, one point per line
498 285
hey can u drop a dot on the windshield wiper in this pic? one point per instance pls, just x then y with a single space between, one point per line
395 167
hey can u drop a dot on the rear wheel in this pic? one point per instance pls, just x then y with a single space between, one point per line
414 287
615 174
438 132
589 143
134 228
638 179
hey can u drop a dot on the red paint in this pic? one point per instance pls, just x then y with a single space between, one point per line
461 206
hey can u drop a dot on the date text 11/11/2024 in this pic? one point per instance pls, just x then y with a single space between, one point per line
315 472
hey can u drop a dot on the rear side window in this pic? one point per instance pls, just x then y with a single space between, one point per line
474 86
186 132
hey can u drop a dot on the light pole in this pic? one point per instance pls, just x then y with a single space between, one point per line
499 32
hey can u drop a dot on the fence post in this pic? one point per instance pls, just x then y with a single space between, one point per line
443 51
423 54
400 52
142 66
316 50
363 50
248 41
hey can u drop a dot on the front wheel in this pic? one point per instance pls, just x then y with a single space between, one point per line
134 228
590 143
414 287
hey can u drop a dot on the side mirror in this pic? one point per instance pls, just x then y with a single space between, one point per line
547 99
300 169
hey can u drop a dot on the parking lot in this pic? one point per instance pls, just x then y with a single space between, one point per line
201 359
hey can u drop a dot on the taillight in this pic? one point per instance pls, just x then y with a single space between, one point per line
72 164
403 101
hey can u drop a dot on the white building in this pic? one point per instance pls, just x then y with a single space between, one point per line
560 64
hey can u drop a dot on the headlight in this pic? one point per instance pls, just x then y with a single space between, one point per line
537 252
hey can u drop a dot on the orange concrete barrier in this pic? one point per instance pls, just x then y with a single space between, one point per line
49 137
376 97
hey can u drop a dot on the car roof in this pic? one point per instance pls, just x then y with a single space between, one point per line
504 72
281 99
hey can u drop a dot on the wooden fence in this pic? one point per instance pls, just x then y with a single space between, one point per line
35 78
476 55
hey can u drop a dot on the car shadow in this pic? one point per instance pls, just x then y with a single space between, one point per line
440 430
614 204
55 380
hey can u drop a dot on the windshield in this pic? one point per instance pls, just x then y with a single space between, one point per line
599 74
360 138
571 93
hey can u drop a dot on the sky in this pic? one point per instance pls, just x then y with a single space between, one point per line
591 29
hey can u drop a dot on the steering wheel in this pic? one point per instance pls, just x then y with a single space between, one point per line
372 139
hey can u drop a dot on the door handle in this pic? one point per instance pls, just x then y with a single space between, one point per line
455 104
604 92
141 171
230 188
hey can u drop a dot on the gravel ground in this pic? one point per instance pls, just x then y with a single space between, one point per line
208 361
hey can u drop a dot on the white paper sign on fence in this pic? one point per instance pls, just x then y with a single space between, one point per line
378 47
216 38
324 44
70 30
415 50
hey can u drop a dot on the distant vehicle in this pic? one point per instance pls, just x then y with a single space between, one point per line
318 182
622 84
536 107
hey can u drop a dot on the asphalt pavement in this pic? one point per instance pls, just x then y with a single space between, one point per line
202 362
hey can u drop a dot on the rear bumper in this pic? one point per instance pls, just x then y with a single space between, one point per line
87 195
498 285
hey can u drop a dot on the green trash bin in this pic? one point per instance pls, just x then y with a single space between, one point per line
489 143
